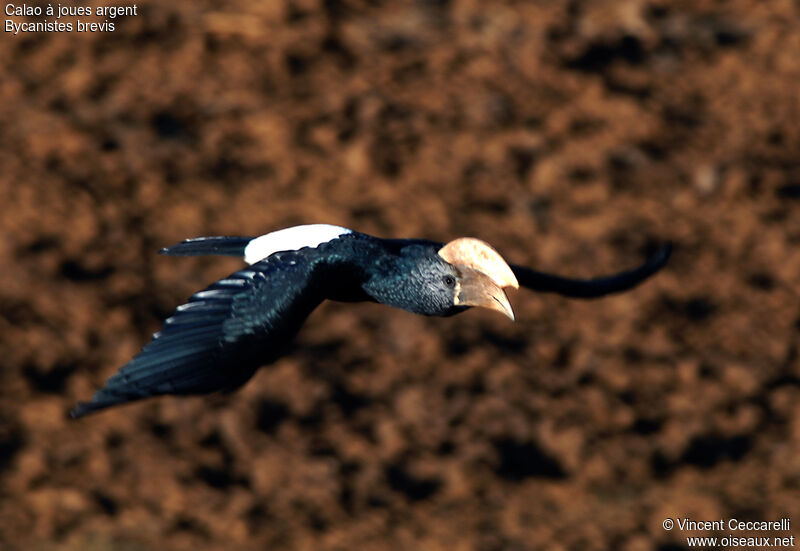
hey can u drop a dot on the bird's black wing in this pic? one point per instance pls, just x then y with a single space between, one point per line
596 287
220 337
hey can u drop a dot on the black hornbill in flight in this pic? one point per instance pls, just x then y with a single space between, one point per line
218 339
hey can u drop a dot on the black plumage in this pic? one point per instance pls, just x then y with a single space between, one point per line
223 334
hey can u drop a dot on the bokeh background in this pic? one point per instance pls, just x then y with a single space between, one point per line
575 136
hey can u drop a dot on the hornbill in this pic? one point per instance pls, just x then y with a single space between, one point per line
218 339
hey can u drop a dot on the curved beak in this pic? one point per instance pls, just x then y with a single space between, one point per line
478 289
484 274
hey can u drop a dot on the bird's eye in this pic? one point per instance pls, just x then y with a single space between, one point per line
449 280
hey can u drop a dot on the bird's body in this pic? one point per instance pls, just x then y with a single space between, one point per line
218 339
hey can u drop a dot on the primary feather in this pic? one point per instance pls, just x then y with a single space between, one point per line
219 338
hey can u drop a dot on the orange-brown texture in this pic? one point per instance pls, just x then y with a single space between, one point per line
572 136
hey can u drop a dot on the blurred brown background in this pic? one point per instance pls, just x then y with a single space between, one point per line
573 136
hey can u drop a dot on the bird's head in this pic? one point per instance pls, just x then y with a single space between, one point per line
481 275
445 281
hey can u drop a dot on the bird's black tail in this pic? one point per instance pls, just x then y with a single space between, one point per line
593 288
221 246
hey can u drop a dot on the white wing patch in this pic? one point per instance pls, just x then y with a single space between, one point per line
291 239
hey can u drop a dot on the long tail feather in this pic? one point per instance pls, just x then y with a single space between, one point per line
222 246
596 287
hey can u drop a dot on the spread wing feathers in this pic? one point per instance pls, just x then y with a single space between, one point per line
225 246
596 287
220 337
